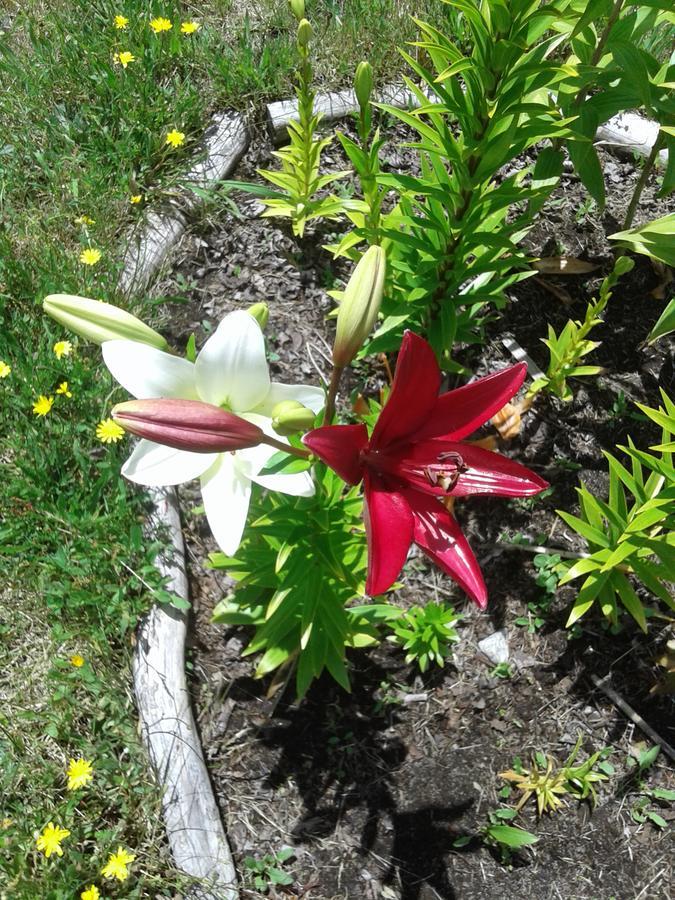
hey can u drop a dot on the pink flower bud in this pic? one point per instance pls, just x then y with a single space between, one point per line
187 425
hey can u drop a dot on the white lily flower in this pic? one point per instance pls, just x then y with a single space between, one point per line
230 371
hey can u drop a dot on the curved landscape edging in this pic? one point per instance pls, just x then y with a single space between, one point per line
194 829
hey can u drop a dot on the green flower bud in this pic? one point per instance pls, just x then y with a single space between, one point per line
363 83
359 306
98 321
304 33
298 9
290 417
260 312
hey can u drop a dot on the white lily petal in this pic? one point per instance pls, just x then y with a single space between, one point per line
156 465
231 367
299 484
147 372
251 460
311 397
226 495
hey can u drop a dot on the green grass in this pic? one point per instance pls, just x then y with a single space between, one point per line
80 135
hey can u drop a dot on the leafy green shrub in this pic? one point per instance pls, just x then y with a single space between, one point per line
426 633
629 536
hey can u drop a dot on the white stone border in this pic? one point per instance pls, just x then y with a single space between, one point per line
625 133
196 836
150 243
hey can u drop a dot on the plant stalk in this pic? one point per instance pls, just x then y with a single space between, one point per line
287 448
333 385
642 181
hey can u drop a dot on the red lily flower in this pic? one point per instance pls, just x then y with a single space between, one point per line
414 456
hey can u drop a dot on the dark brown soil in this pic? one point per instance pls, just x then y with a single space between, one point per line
374 788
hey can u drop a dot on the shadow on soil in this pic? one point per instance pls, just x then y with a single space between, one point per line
344 759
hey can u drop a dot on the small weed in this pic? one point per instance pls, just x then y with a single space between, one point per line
502 670
643 810
527 504
504 837
426 633
548 576
267 870
550 785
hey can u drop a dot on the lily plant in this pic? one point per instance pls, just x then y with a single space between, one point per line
218 417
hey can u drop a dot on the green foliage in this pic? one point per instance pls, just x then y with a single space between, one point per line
550 785
426 633
648 801
657 240
613 72
300 563
629 536
506 838
364 155
267 871
299 177
569 347
548 576
452 245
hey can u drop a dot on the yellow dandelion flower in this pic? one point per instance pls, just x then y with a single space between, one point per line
62 348
116 867
175 138
42 405
6 823
5 369
63 389
109 432
124 58
84 220
135 198
77 660
161 24
50 840
90 256
91 893
79 773
189 27
121 22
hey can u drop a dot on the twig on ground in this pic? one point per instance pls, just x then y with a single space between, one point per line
628 711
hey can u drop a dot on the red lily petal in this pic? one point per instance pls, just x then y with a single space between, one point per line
438 534
460 412
488 472
389 529
339 447
414 392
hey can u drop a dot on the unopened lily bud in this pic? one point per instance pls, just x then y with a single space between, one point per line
187 425
260 312
100 322
304 33
290 417
363 83
359 306
298 9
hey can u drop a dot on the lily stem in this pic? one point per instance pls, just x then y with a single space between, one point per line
639 187
287 448
333 385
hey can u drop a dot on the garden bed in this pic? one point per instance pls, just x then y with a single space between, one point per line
376 789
